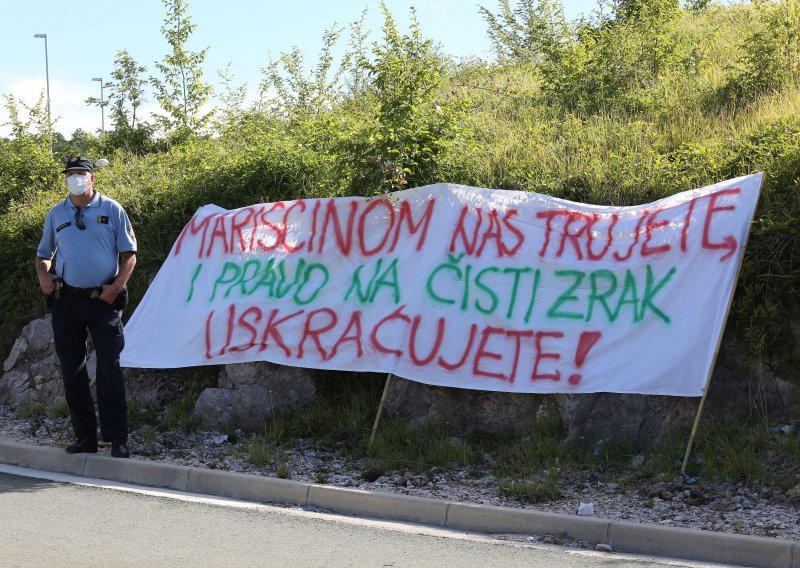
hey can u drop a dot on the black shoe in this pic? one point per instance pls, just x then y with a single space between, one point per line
119 448
86 445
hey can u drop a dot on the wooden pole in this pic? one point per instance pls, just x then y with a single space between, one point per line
380 409
716 349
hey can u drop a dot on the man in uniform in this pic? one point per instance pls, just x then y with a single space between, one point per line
95 253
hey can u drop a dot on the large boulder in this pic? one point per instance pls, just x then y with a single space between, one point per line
463 410
743 386
249 393
32 373
154 385
638 419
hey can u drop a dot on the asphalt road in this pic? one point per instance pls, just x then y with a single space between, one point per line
48 523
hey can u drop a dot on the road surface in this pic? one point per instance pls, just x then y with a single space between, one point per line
52 523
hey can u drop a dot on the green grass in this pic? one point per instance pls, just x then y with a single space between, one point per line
141 414
736 451
149 433
531 491
35 411
263 453
180 413
260 452
520 455
340 418
399 445
663 460
59 408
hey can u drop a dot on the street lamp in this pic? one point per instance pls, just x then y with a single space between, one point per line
102 110
47 76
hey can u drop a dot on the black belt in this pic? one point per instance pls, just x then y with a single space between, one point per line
92 293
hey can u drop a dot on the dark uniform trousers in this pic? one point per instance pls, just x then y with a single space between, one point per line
72 316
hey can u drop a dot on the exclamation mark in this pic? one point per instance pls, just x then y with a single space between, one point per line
585 344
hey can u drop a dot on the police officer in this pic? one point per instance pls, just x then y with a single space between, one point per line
95 253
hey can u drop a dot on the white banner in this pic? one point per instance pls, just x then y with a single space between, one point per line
456 286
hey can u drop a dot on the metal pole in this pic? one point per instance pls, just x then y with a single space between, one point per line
102 110
47 78
380 410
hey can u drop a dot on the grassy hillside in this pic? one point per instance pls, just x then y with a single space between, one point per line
619 110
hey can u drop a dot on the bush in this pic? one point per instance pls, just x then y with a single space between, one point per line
771 53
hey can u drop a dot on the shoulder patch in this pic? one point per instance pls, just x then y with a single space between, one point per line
63 226
130 232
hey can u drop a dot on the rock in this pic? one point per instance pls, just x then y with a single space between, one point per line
637 460
32 372
558 539
214 408
249 393
658 489
585 509
464 410
638 419
697 496
20 346
155 385
753 386
603 547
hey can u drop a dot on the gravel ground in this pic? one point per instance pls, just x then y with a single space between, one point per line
730 508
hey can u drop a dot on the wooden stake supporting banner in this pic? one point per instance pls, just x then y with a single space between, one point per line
380 409
716 349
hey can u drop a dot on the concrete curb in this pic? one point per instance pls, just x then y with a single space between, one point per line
378 505
635 538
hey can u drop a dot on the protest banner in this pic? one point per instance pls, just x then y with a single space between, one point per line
457 286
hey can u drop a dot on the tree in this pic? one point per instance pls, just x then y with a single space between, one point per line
126 92
402 144
771 49
644 10
27 165
531 31
181 91
297 95
125 96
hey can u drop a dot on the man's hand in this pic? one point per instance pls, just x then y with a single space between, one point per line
110 293
47 282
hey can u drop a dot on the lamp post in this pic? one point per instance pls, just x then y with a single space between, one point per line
102 110
47 76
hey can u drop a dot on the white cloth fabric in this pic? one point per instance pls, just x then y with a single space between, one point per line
457 286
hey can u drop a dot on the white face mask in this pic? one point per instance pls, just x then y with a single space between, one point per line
78 184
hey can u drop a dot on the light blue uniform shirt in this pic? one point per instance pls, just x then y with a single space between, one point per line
87 258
